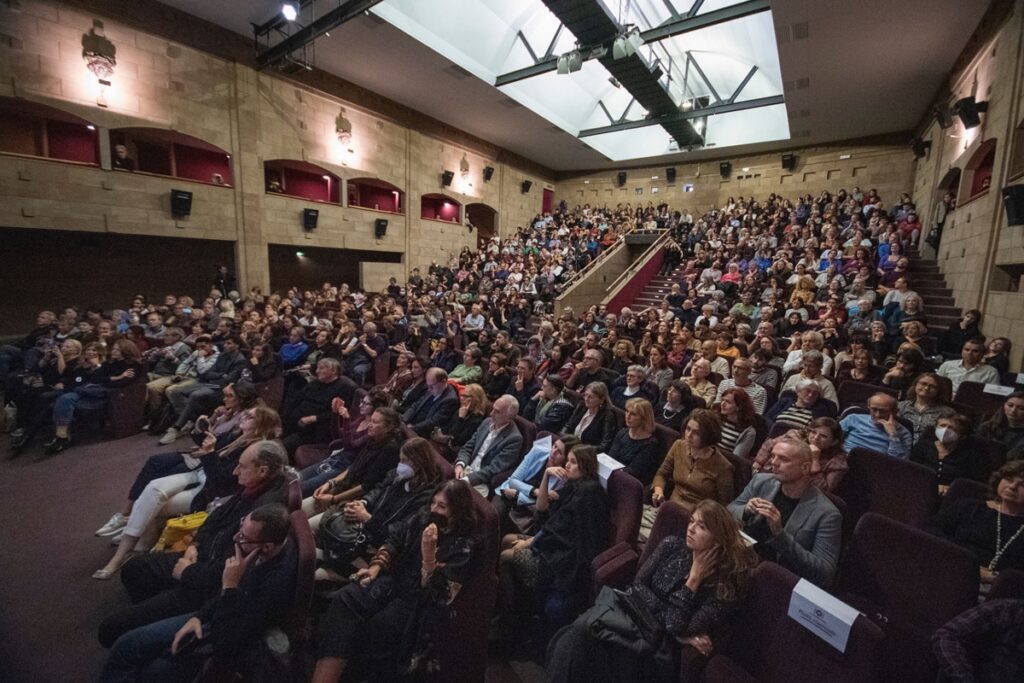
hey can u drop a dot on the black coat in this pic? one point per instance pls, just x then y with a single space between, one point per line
572 533
430 412
315 399
601 430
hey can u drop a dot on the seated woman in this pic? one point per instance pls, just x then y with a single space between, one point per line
1007 426
990 529
263 365
122 368
558 361
997 354
445 357
952 453
694 467
402 493
402 378
909 364
390 612
552 567
474 406
690 585
699 383
923 405
802 406
658 370
349 433
61 368
678 403
213 463
862 369
469 370
516 502
623 355
635 446
371 463
828 459
499 377
418 366
739 423
593 421
224 420
633 385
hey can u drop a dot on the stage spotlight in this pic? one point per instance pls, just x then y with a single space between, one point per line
290 11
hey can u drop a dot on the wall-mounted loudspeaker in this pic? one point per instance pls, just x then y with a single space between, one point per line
788 161
309 217
380 227
670 174
622 178
181 203
447 177
1013 200
527 184
488 173
725 168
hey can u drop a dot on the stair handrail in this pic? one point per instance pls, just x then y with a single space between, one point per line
626 275
601 257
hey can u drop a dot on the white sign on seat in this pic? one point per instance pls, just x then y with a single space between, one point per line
822 614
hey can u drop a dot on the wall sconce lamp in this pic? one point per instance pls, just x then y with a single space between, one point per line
343 129
100 57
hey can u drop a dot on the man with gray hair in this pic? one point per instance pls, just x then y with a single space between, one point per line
495 446
811 364
360 356
306 414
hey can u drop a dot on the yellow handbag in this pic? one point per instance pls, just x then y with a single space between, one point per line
179 532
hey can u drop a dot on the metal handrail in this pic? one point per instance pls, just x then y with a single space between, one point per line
578 275
634 267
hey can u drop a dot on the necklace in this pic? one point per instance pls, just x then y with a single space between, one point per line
669 414
1000 548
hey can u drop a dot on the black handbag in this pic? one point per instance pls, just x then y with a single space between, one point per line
622 618
342 541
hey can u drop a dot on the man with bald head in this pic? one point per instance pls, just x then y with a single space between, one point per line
793 522
494 447
878 430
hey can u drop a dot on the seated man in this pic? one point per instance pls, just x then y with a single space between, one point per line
526 384
985 643
878 430
970 367
549 409
811 363
25 352
793 522
257 586
436 407
741 370
494 448
307 415
359 360
590 370
185 376
163 585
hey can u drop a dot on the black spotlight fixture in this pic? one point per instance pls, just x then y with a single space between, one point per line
380 228
942 115
725 169
527 184
309 218
446 178
920 147
181 203
968 110
488 173
622 178
670 174
788 161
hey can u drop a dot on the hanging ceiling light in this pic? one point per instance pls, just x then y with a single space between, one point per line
570 62
290 11
627 43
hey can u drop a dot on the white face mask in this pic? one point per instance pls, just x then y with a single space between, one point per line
404 471
946 435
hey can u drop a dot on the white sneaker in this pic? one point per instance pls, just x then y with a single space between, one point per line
170 436
188 427
115 540
112 527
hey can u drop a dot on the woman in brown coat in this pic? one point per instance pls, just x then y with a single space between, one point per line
694 467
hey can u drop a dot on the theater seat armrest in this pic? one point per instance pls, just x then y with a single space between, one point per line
722 669
615 567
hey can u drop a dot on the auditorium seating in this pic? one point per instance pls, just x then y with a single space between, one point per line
901 490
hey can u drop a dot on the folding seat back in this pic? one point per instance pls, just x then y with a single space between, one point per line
898 489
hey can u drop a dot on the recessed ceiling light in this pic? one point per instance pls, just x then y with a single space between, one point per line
300 254
290 11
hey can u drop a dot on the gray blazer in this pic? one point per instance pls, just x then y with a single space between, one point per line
809 543
502 455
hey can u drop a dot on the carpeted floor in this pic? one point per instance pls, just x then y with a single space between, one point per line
49 604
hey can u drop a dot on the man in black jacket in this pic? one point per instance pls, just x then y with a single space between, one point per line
437 406
257 586
163 585
549 409
306 415
526 384
24 353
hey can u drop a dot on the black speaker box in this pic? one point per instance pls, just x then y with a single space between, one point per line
488 173
446 178
788 162
725 168
181 203
309 217
380 227
527 184
622 178
670 174
1013 200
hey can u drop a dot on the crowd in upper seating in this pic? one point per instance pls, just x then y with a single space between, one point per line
791 339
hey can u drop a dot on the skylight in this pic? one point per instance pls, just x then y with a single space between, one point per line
723 77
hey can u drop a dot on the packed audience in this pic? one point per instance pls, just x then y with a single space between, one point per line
791 337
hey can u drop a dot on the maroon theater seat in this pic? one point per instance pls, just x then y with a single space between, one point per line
626 508
617 566
854 393
898 489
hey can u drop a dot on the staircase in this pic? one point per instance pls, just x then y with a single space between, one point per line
655 291
926 280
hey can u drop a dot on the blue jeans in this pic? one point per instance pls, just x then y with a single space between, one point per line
310 478
90 397
143 654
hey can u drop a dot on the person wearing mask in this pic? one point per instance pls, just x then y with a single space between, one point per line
436 407
168 584
879 430
549 409
635 445
494 447
691 584
741 369
694 467
391 609
970 367
593 421
255 592
1006 426
793 521
953 453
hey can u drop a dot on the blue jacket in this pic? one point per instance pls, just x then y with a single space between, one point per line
534 460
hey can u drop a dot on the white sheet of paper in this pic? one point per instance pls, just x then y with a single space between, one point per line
822 614
606 464
997 390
